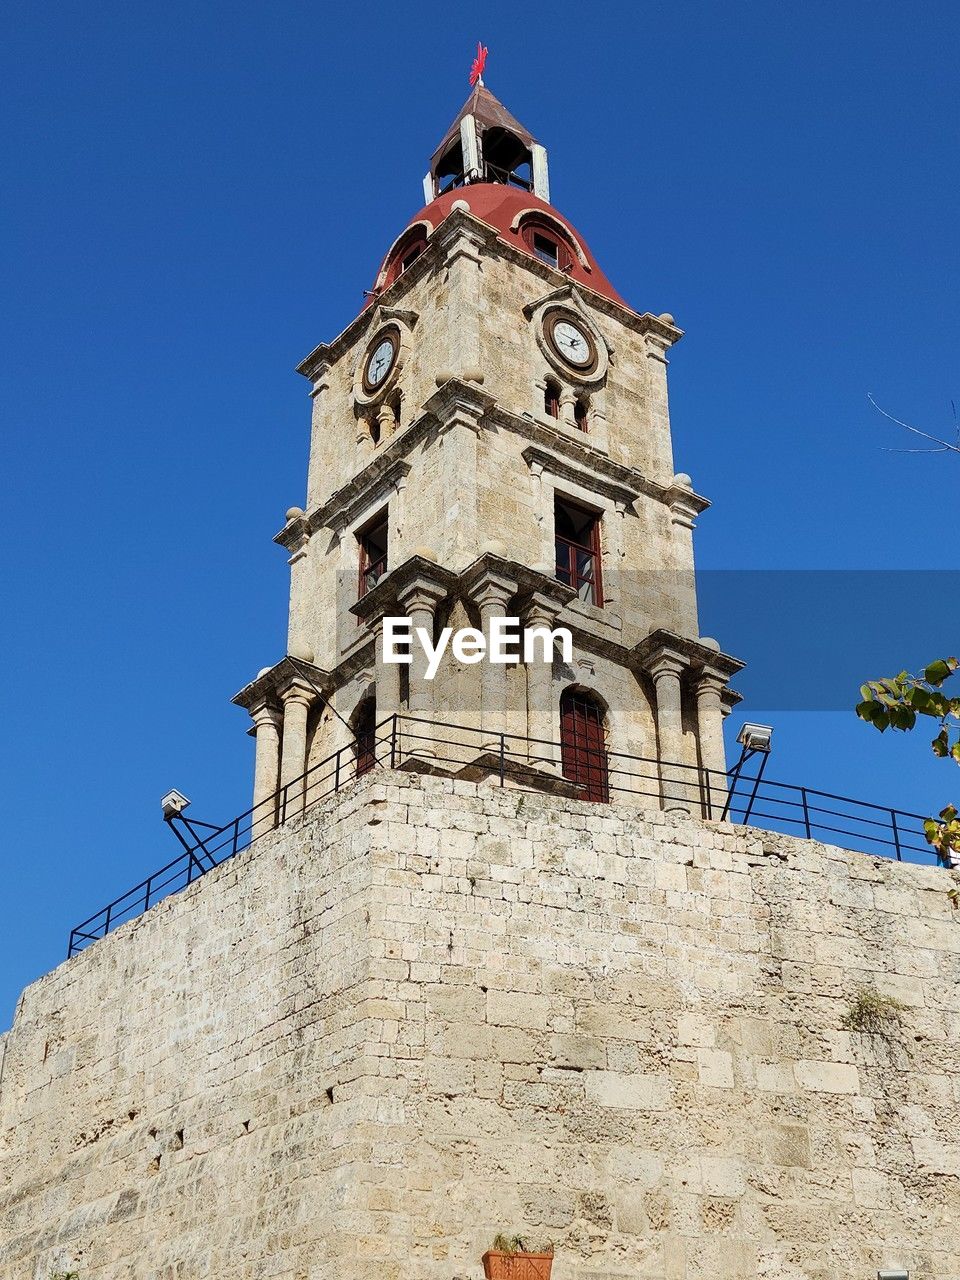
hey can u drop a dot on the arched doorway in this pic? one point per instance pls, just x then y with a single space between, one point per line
365 732
583 744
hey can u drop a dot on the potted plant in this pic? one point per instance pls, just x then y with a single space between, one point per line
515 1258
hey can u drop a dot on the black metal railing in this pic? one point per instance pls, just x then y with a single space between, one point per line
535 765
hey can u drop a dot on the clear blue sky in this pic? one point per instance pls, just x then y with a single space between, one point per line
195 195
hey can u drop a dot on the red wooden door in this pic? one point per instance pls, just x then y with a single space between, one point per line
583 746
366 732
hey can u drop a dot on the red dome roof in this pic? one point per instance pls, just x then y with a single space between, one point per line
503 207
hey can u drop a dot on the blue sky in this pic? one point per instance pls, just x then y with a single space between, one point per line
195 195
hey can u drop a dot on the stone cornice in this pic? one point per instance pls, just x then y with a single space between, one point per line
695 654
384 472
459 224
550 447
385 596
267 688
593 471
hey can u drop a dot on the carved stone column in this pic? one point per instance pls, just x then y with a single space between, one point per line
266 775
387 422
387 679
710 686
677 785
419 600
543 708
568 408
297 700
491 591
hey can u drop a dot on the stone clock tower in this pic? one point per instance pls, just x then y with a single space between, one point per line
490 437
420 1011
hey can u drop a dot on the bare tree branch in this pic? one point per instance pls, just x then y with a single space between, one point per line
943 446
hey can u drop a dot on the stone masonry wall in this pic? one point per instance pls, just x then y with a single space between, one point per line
433 1010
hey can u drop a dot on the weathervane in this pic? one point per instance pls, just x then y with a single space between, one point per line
479 62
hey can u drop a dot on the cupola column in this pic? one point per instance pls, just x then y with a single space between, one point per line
666 668
297 699
266 776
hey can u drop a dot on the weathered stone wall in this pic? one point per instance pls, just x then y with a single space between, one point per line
438 1010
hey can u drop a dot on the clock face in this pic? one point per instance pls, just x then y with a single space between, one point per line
572 343
379 362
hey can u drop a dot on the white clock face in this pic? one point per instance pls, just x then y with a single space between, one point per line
380 362
572 343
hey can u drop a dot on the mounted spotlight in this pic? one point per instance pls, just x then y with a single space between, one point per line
173 804
755 737
897 1274
755 740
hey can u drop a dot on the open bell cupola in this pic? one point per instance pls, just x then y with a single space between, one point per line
485 143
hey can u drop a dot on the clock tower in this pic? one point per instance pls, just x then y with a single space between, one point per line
491 438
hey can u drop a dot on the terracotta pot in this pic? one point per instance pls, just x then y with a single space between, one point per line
516 1266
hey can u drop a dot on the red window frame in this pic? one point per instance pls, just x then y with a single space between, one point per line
583 746
551 399
373 555
578 558
581 415
533 227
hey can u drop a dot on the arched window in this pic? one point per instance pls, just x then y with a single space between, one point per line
365 733
547 243
581 413
583 744
551 399
405 254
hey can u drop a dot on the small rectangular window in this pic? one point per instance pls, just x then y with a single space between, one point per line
577 537
373 554
546 249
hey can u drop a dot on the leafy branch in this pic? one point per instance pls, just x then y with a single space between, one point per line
895 703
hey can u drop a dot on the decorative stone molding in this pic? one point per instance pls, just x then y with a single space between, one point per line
596 472
685 505
569 299
385 473
266 689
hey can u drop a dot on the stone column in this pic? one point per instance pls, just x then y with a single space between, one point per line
419 602
491 592
297 699
542 706
666 668
710 686
387 422
568 407
387 679
266 774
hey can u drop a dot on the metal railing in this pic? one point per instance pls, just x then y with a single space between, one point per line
533 764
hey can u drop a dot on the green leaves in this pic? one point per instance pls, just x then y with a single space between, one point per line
938 671
894 703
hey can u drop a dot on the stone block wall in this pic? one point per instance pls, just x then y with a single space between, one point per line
431 1010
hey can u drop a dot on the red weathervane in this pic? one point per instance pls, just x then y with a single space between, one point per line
479 62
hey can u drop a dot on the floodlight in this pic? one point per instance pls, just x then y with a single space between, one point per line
897 1274
755 737
173 804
